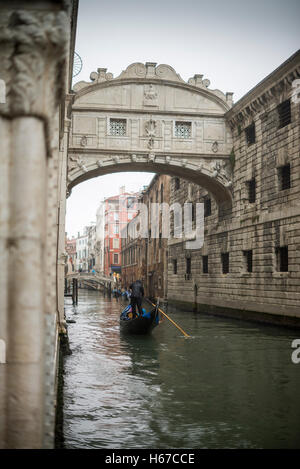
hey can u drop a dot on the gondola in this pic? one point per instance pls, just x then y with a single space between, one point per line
141 324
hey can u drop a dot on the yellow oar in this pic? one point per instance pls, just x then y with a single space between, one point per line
171 320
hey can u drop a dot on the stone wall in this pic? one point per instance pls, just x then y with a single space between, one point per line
36 49
265 226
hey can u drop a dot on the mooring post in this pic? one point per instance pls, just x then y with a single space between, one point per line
73 291
76 291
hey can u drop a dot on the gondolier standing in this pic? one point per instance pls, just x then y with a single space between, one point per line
137 293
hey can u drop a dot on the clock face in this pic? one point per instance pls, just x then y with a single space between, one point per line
77 64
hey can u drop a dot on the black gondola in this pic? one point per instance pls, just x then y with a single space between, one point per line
139 325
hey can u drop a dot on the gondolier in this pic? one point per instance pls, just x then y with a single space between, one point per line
137 293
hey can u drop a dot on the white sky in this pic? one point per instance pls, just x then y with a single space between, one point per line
233 43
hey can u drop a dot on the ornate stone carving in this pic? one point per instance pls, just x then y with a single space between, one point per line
221 170
167 73
150 129
150 95
215 147
151 158
83 141
77 162
33 48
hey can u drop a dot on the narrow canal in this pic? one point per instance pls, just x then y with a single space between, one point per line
231 385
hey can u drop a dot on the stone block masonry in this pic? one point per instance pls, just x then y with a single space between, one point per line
261 235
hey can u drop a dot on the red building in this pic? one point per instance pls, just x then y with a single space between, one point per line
71 251
118 211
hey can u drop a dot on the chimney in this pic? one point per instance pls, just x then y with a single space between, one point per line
122 190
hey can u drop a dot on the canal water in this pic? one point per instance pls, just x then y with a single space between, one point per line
232 384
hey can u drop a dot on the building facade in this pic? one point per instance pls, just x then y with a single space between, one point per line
249 263
82 252
118 210
71 254
145 257
99 245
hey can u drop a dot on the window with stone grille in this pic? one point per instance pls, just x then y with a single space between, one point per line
250 134
183 129
284 177
117 127
177 183
284 113
248 260
225 262
251 190
205 264
282 254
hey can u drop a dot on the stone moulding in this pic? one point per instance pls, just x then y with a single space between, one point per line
276 86
150 71
217 170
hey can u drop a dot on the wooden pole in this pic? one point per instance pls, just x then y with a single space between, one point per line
171 320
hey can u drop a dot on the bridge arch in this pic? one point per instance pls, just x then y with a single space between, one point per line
149 119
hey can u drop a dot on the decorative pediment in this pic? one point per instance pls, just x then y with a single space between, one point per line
152 71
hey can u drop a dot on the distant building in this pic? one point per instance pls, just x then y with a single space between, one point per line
91 253
82 252
99 245
118 210
146 258
71 252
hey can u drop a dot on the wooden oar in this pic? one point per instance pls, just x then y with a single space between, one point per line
171 320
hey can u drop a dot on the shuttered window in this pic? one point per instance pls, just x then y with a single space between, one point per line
284 113
250 134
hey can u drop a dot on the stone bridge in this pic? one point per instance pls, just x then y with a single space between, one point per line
91 278
150 119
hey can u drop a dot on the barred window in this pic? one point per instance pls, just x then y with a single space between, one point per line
225 262
282 258
248 260
183 129
207 207
205 264
250 134
117 127
284 176
188 265
251 190
284 113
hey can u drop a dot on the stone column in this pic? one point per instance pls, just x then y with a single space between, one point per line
33 45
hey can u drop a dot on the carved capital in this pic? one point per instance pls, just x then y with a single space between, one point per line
33 53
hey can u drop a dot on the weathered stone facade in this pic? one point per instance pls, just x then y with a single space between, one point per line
149 119
145 258
262 233
36 48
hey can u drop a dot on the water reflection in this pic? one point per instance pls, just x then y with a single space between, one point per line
232 384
